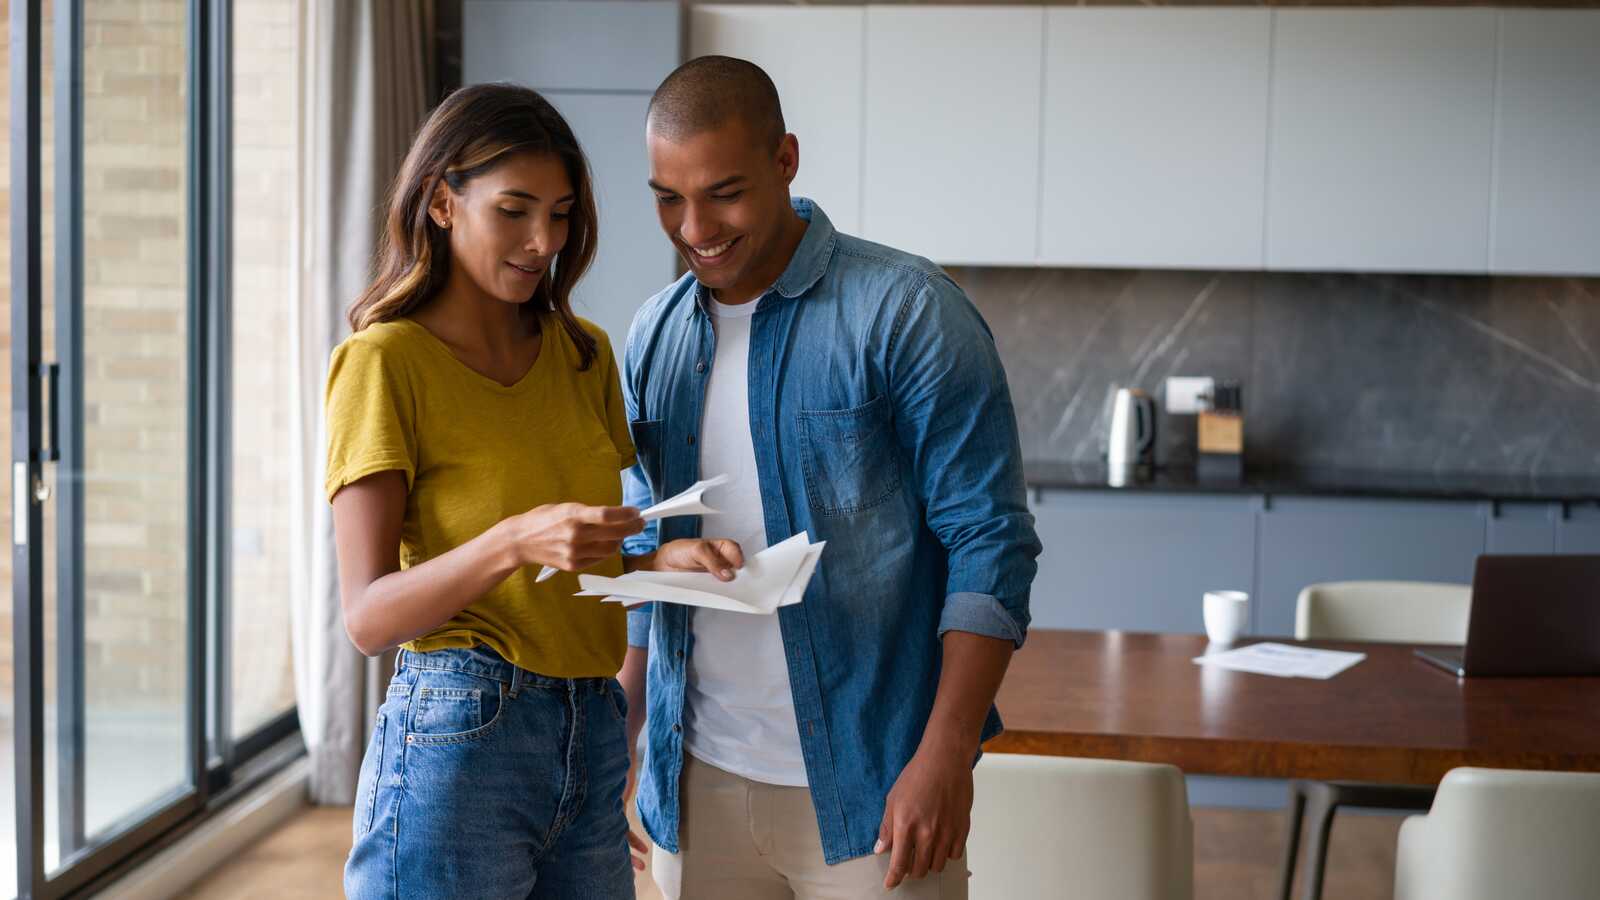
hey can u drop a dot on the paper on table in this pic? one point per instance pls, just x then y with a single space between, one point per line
1283 660
775 577
688 503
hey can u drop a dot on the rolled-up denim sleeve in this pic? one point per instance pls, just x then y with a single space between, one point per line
955 421
639 625
981 614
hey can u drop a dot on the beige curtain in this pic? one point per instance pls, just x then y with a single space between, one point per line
366 79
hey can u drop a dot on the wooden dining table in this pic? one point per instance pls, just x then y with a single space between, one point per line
1390 719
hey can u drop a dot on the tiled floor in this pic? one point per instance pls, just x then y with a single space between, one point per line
1236 858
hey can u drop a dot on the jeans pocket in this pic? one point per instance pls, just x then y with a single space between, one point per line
618 701
371 774
849 458
452 708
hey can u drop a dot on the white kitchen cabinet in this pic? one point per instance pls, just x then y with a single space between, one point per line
1380 140
1546 213
552 45
597 63
633 259
951 168
1155 135
822 103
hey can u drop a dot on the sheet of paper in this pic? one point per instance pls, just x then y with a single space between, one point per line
688 503
1283 660
773 578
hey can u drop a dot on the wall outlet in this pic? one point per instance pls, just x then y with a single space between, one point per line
1189 395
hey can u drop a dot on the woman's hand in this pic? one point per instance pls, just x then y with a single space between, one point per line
568 536
721 557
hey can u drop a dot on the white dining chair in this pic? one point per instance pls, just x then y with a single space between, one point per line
1412 612
1417 612
1048 826
1496 833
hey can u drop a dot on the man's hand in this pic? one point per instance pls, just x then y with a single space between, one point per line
928 813
720 557
633 687
640 850
929 810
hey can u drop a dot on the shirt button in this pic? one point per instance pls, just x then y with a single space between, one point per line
676 727
700 366
691 440
679 654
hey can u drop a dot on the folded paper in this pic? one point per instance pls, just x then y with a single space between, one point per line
773 578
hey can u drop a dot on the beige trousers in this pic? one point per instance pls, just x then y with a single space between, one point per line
751 841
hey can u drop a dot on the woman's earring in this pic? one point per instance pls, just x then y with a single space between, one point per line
442 222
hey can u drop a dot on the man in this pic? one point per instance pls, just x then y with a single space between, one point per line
850 391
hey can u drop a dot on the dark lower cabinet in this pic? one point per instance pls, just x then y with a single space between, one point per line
1523 527
1138 563
1308 540
1578 531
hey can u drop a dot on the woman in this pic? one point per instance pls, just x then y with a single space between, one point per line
476 433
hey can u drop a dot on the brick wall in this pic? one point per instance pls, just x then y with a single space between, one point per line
135 344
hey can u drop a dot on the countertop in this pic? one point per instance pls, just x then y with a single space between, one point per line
1308 481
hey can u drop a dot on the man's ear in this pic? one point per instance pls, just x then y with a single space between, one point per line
789 157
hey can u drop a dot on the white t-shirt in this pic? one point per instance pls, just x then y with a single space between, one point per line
740 712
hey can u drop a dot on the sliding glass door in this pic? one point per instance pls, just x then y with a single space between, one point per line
143 670
106 418
123 420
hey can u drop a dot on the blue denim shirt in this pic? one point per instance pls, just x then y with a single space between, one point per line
883 425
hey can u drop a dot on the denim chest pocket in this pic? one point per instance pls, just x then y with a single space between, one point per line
647 446
849 457
451 713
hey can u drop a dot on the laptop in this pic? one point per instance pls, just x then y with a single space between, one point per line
1530 615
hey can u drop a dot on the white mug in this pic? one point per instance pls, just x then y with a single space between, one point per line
1226 614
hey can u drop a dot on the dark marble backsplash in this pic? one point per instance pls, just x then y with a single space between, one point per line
1450 374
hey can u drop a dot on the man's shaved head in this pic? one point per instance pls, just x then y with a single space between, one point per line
710 91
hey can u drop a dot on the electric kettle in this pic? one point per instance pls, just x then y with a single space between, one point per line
1131 441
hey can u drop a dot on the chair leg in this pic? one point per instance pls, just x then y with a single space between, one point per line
1323 801
1291 841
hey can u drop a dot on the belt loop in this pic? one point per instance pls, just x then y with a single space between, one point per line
516 679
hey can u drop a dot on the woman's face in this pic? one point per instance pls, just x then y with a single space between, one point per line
507 225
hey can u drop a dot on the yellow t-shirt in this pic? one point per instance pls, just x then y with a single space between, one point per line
474 452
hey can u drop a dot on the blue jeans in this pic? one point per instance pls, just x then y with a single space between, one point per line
483 780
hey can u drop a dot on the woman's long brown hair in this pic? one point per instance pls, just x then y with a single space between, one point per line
464 137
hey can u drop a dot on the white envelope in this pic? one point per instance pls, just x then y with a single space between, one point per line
775 577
